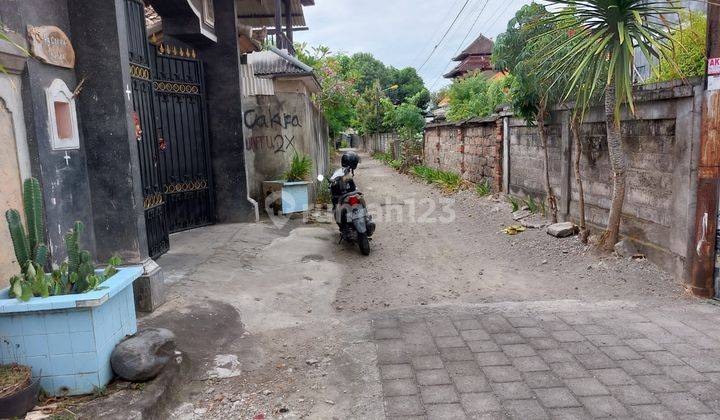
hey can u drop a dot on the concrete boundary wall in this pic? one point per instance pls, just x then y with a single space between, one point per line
472 148
380 142
661 143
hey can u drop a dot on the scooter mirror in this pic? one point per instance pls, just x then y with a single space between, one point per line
320 178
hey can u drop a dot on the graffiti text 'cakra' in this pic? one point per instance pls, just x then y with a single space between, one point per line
279 120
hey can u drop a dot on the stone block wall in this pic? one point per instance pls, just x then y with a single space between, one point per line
527 173
472 149
379 142
661 144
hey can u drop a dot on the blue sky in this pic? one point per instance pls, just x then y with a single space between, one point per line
402 33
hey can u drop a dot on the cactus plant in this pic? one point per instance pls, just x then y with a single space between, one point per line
74 276
29 246
77 275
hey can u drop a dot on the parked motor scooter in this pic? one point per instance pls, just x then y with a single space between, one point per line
349 208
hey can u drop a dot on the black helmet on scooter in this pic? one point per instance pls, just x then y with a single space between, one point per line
350 160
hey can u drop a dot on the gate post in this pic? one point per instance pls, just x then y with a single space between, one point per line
104 104
225 118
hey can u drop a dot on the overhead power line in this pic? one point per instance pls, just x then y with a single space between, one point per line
444 35
497 16
437 31
462 43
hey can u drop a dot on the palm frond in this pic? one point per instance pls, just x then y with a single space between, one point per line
606 35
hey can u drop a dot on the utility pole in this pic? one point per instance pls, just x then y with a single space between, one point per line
289 23
278 24
703 264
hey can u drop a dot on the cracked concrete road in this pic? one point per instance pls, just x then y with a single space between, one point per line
445 319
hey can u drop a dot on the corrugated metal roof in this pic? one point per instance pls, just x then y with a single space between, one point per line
261 13
253 13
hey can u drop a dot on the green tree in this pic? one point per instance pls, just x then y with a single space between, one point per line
312 56
603 36
407 120
355 89
364 69
690 57
409 84
477 96
511 46
532 95
337 98
372 107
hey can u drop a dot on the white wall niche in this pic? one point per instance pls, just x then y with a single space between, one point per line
62 117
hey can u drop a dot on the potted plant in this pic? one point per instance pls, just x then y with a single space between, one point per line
295 196
62 324
323 195
18 390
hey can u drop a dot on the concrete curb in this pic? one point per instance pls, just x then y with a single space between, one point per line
151 403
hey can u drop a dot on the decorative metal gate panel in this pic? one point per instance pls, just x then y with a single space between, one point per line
148 150
171 132
181 129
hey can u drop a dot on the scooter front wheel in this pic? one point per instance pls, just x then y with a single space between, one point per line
364 243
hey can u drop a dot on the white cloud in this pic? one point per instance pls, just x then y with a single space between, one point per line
402 33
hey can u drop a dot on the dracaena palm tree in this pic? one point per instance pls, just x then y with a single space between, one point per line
598 53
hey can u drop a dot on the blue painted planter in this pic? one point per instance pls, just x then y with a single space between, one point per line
68 339
295 197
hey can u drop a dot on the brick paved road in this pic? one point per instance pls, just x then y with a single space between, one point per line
504 362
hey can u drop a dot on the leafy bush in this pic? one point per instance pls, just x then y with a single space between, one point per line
514 202
532 205
323 191
407 119
449 181
484 188
300 167
383 157
477 95
689 39
395 164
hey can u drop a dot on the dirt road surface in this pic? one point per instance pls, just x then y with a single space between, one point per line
447 318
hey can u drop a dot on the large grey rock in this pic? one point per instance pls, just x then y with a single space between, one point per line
626 249
142 356
561 230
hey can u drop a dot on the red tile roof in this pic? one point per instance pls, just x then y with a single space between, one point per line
469 64
481 46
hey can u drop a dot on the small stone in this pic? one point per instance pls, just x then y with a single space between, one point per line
330 402
544 262
267 392
561 230
312 361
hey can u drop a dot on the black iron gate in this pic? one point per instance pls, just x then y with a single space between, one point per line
171 133
148 149
181 128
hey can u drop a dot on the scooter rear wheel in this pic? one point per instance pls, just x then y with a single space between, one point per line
364 243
